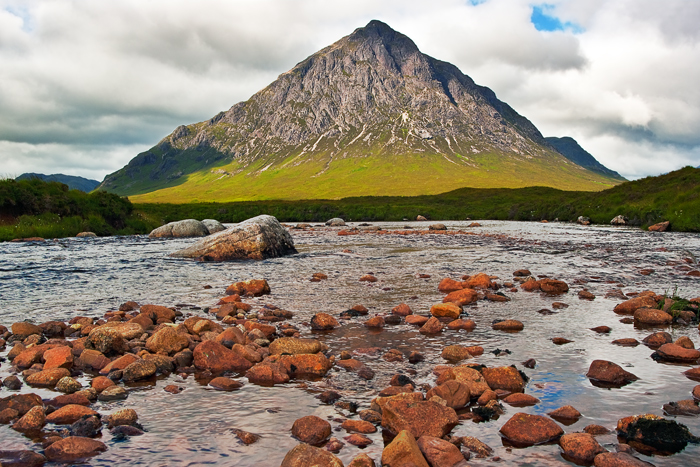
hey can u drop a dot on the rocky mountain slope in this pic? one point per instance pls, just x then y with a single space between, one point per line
368 115
569 148
73 182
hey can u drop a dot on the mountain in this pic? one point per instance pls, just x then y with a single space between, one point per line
569 148
73 182
368 115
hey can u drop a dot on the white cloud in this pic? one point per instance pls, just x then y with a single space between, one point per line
85 85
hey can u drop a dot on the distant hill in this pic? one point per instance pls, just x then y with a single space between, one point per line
369 115
73 182
569 148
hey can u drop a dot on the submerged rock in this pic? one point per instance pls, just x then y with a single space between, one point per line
666 436
257 238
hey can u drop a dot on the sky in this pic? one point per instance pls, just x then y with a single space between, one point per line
87 85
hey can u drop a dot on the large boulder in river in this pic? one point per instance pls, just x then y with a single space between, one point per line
179 229
258 238
335 222
619 220
213 225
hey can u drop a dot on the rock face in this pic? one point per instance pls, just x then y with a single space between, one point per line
180 229
257 238
370 95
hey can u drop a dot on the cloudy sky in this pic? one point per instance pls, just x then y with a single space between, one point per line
86 85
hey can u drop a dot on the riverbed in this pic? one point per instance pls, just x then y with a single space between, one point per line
60 279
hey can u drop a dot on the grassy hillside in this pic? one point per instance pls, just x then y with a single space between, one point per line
674 197
324 177
36 208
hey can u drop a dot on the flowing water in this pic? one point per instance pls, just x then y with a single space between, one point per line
56 280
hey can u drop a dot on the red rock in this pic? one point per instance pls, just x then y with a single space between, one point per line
432 326
685 342
553 286
456 394
376 322
693 373
74 448
676 353
467 375
586 295
304 455
7 415
25 358
566 412
311 429
487 397
403 451
418 417
530 285
139 370
630 306
359 426
660 227
446 310
448 285
362 460
105 340
24 329
462 297
216 358
250 288
359 440
684 407
101 383
618 459
596 430
34 420
609 373
455 353
173 389
402 310
167 341
119 364
505 377
526 430
560 341
68 414
361 309
466 324
476 446
416 320
601 329
496 297
323 322
652 317
58 357
580 448
657 339
626 342
68 399
266 329
122 417
440 453
478 281
368 278
225 384
92 360
508 325
47 378
303 364
519 399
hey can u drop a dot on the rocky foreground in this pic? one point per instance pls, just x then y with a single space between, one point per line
234 344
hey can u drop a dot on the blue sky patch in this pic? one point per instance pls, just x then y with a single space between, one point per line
544 20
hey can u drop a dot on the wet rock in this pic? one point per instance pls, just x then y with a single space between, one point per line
140 369
505 377
180 229
418 417
303 364
246 437
68 414
12 382
335 222
684 407
652 317
619 459
129 330
362 460
432 326
268 374
586 295
596 430
328 397
676 353
657 339
100 383
446 310
618 221
685 342
74 448
654 432
455 353
173 389
22 403
486 397
7 415
359 426
467 375
225 384
113 393
605 373
583 220
47 378
122 417
416 320
33 420
626 342
696 392
529 363
67 399
415 357
368 278
304 455
508 325
526 430
457 324
630 306
601 329
119 364
371 416
519 399
660 227
311 429
124 431
357 439
216 358
403 451
448 285
455 394
462 297
92 360
250 288
440 453
560 341
553 286
565 414
402 310
21 458
323 322
68 385
393 355
105 340
496 297
23 329
167 340
475 446
580 448
87 427
58 357
163 363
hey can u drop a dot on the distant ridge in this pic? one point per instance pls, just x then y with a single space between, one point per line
370 115
569 148
73 182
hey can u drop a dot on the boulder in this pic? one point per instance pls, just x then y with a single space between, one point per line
527 430
565 414
655 432
34 420
113 393
258 238
250 288
466 324
455 394
652 317
122 417
553 286
504 377
403 451
105 340
47 378
455 353
140 369
335 222
437 227
583 220
418 417
213 226
323 322
508 325
441 453
223 383
267 374
518 399
293 346
476 446
304 455
74 448
69 414
446 310
660 227
628 307
467 375
24 329
167 340
180 229
359 426
21 403
606 373
676 353
402 310
303 364
580 448
619 220
448 285
362 460
619 459
478 281
311 429
462 297
420 218
432 326
216 358
129 330
58 357
86 235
